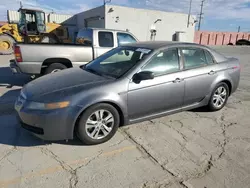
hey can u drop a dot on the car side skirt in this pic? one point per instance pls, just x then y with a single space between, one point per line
202 103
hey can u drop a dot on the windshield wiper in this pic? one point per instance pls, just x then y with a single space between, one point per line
98 73
93 71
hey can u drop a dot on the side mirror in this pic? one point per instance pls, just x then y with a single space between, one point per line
144 75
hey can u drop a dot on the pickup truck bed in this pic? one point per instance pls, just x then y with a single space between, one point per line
40 59
38 56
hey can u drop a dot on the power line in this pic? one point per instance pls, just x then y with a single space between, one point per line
200 15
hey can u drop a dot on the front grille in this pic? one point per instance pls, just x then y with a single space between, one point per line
35 130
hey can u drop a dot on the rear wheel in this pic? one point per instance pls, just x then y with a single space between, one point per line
6 44
98 124
55 67
219 97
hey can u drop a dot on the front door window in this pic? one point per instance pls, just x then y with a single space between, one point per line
164 63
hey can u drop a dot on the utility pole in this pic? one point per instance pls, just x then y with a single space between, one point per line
238 29
200 15
106 1
189 12
21 4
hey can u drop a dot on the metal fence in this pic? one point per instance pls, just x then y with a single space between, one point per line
219 38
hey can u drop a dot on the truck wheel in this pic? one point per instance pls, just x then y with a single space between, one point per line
6 44
55 67
98 124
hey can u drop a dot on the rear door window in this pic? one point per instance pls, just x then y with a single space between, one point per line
85 37
209 57
194 57
106 39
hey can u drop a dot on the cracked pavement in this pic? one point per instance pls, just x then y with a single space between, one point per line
193 149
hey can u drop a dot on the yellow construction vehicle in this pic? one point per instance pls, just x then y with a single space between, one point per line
31 28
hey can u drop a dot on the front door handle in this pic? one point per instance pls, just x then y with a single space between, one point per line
177 80
211 72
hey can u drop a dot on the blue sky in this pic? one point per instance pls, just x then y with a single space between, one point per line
219 15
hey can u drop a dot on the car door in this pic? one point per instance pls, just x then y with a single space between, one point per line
200 70
105 42
164 92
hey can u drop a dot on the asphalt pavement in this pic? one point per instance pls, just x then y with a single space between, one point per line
193 149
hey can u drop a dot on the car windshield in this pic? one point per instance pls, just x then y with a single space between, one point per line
117 62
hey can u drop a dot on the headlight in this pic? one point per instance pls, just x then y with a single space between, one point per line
47 106
23 95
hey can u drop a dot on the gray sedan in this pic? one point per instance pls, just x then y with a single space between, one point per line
126 85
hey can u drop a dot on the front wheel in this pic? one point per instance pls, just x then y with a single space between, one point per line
219 97
98 124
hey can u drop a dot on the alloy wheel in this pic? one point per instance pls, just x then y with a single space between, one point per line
99 124
219 97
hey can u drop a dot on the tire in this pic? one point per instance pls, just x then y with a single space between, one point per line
83 133
6 44
212 102
55 67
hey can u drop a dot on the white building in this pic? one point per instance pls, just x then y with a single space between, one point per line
141 22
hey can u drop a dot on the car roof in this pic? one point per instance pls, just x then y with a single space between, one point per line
154 45
159 45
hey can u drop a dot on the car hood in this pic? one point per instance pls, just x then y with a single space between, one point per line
66 80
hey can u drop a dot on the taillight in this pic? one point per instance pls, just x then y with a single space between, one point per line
236 67
18 54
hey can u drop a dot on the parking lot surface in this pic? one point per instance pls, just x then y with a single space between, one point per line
193 149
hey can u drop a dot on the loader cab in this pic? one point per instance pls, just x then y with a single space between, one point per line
32 22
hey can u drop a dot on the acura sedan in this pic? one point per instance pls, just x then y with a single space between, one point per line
126 85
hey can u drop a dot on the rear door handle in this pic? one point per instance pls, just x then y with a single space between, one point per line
177 80
211 72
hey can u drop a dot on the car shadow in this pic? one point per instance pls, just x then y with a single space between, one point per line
8 79
201 109
7 101
12 134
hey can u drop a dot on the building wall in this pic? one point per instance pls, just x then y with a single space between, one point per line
219 38
139 22
93 18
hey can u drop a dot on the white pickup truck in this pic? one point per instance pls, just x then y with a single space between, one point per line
40 59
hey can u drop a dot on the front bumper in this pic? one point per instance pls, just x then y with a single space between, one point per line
14 68
50 125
